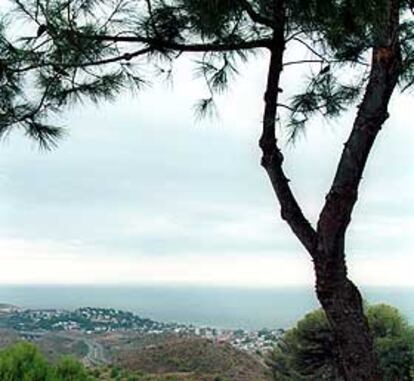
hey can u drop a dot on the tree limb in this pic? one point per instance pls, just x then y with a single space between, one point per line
310 48
24 10
272 158
122 57
255 16
159 44
340 201
299 62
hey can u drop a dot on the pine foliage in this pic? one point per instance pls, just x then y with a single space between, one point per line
87 50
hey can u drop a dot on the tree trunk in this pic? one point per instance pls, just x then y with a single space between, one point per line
342 303
338 296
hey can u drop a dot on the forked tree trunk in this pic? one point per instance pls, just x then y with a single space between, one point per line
338 296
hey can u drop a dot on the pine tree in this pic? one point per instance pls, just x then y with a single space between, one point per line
90 49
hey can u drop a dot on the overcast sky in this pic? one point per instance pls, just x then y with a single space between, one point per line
139 192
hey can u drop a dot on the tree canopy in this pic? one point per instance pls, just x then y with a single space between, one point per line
74 50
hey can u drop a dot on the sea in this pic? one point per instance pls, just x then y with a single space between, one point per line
220 307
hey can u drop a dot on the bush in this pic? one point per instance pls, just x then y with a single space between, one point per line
69 369
115 372
24 362
308 351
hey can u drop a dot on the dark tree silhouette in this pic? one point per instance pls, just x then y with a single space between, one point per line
94 49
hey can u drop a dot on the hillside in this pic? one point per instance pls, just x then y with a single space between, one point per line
152 358
7 337
108 338
54 346
193 356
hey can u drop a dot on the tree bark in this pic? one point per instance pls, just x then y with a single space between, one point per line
338 296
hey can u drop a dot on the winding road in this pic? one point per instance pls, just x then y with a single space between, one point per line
96 353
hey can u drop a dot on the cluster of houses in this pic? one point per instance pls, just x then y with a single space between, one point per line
90 320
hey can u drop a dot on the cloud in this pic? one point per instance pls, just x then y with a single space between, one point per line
183 270
48 262
139 192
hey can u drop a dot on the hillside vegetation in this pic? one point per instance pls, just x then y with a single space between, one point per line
194 356
175 360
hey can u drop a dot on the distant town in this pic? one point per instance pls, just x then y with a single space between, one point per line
91 321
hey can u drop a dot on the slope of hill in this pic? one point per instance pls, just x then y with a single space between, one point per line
54 346
7 337
194 356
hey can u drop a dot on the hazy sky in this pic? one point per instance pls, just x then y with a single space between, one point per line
138 192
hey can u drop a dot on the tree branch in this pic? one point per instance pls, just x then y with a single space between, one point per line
299 62
272 158
24 10
385 70
310 48
159 44
282 105
122 57
255 16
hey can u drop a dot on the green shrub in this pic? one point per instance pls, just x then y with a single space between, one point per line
24 362
70 369
114 372
308 351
